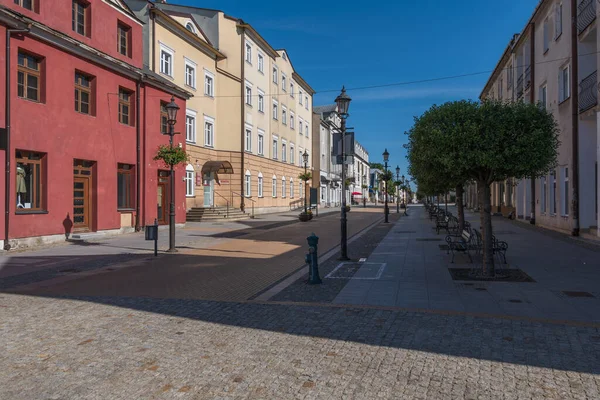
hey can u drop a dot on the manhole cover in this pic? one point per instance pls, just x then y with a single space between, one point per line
355 270
428 239
577 294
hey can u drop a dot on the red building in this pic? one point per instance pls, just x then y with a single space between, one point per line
83 121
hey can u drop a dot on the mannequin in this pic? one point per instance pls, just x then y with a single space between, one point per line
21 186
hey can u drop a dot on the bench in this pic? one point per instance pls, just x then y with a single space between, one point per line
442 222
498 246
462 244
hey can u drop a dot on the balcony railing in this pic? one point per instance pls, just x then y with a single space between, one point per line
527 77
588 95
520 88
586 14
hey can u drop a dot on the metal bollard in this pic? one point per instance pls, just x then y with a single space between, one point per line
151 233
312 259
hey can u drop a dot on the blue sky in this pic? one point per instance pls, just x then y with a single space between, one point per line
356 44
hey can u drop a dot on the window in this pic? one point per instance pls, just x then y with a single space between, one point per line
291 188
306 130
300 157
248 141
274 186
190 74
125 181
283 115
261 63
123 38
283 82
306 102
546 36
261 142
510 76
542 100
248 95
292 120
190 27
260 185
308 159
30 179
301 189
80 19
300 126
29 79
300 94
292 153
248 184
558 16
553 193
189 181
164 118
190 126
248 53
275 145
275 107
83 93
275 75
28 4
261 101
209 84
543 189
500 87
283 152
166 62
125 106
563 84
209 131
292 89
283 189
565 191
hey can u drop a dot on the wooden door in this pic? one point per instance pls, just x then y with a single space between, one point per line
161 201
81 203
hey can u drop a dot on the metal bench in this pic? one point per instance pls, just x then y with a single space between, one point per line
499 247
461 244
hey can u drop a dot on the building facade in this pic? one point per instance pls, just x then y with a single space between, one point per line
359 173
330 174
76 69
553 62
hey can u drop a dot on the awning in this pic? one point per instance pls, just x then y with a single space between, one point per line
324 179
221 167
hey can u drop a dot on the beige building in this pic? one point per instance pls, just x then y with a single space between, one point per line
538 66
250 120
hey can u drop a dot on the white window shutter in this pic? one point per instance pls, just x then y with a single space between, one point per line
568 82
561 93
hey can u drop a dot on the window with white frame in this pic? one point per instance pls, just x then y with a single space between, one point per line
248 139
546 35
300 94
543 190
308 159
275 75
292 153
300 125
291 188
261 63
209 84
248 94
166 60
542 99
306 130
261 101
292 89
248 53
260 185
301 189
275 109
275 147
189 181
553 193
283 115
283 82
209 131
564 88
292 120
306 102
565 191
274 186
283 151
300 157
190 73
190 126
558 17
283 189
248 184
261 142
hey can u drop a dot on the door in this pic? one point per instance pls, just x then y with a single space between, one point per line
81 203
209 184
162 197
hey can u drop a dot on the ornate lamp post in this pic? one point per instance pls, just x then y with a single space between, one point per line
386 157
398 190
343 102
305 160
172 109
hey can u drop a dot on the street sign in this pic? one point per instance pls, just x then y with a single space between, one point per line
348 148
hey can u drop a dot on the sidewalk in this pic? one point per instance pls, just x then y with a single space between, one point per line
409 270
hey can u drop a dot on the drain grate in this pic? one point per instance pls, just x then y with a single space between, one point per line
570 293
428 239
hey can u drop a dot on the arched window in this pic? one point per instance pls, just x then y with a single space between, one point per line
283 193
260 184
189 181
248 184
190 27
274 186
291 188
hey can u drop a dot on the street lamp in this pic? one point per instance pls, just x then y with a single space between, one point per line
305 159
386 157
343 102
172 109
398 189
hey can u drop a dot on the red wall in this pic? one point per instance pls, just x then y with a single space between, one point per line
103 36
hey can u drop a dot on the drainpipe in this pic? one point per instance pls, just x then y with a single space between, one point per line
532 94
243 119
8 152
153 18
575 116
138 149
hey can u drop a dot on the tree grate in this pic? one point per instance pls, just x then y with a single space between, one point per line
570 293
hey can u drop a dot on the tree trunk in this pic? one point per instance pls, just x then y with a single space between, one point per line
460 207
485 200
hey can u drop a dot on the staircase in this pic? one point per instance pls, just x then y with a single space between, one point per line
202 214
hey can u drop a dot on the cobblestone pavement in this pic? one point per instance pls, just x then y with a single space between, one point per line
127 348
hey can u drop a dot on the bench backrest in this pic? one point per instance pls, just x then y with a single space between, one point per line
466 235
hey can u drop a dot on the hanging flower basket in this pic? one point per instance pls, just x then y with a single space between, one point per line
305 216
171 156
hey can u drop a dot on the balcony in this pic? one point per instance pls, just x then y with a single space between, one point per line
588 95
520 88
586 14
527 77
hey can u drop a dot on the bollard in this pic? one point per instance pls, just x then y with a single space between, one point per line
152 234
312 259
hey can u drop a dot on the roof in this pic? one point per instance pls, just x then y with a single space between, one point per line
325 109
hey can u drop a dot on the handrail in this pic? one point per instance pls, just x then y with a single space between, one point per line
294 205
586 14
246 198
226 201
588 95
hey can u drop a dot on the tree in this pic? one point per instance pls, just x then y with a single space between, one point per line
377 165
484 142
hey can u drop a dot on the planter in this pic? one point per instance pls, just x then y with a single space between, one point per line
347 208
304 217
